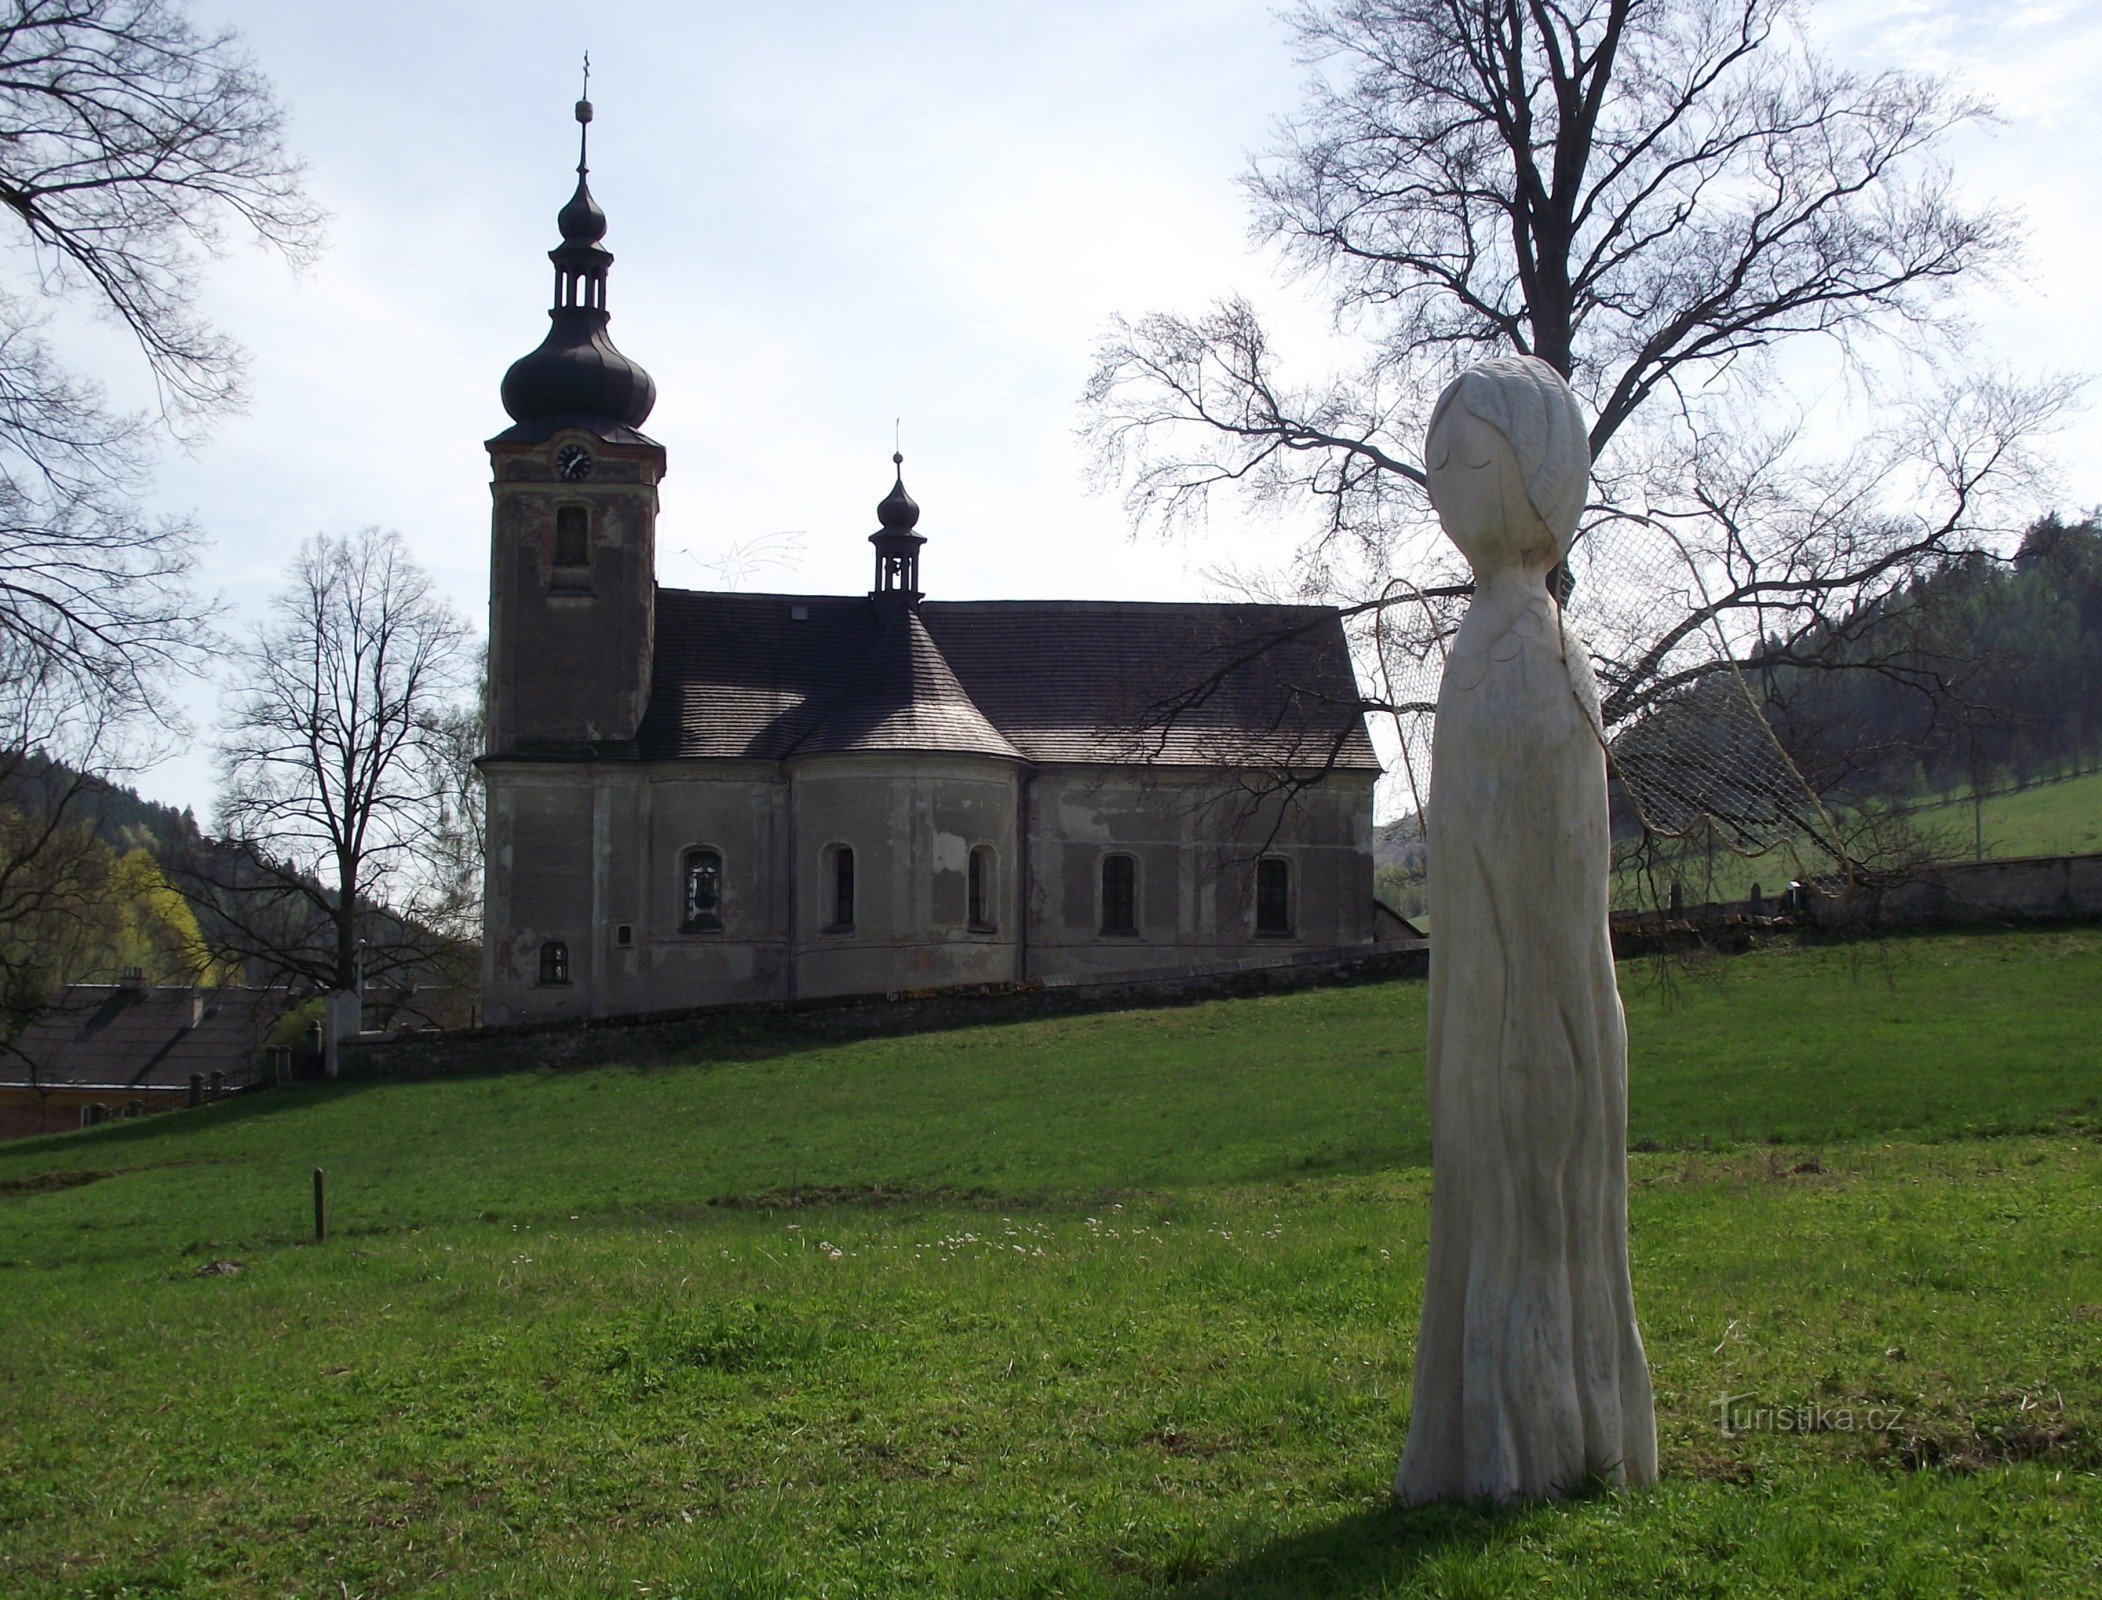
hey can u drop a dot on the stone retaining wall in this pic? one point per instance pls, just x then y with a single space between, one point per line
604 1040
2017 889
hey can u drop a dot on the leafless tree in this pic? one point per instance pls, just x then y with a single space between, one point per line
1654 196
128 143
131 146
334 772
132 140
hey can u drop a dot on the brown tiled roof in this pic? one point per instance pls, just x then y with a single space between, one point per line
1053 680
905 697
143 1037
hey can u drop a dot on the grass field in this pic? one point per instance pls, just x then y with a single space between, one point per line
2060 817
2045 819
1111 1306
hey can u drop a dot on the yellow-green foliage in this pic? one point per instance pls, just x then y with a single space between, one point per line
153 926
101 914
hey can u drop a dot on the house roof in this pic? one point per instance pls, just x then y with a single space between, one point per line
136 1037
769 676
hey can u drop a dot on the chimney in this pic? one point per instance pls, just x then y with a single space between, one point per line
196 1007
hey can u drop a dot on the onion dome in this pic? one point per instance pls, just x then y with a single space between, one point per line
898 511
581 221
577 372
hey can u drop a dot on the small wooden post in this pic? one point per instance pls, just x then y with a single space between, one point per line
320 1207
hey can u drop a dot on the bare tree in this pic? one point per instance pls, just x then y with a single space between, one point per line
131 140
128 142
1654 196
335 780
130 146
450 896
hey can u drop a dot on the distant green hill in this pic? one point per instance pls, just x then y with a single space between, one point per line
119 815
2059 817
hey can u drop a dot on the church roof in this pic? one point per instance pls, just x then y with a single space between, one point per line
905 697
769 676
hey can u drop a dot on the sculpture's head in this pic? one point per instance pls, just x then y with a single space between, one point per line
1508 463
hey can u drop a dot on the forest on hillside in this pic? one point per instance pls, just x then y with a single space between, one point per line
1984 674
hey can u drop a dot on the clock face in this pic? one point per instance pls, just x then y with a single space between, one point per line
574 463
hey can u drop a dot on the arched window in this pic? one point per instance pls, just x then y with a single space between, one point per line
1273 897
842 886
701 892
554 962
980 914
572 536
1120 894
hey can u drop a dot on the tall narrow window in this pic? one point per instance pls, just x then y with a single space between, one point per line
554 962
1120 884
842 887
572 536
981 886
1273 897
701 909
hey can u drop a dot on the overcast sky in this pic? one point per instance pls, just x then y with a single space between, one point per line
828 216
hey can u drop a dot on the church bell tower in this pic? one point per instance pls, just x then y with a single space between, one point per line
572 582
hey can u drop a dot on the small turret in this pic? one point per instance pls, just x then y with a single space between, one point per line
897 545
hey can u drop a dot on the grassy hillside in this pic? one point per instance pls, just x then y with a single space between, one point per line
2057 817
2062 817
1111 1306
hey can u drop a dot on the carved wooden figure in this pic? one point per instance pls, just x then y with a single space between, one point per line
1530 1377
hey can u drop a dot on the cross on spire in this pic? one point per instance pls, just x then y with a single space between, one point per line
584 119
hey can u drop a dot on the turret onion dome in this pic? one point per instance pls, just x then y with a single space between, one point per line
898 511
581 221
577 372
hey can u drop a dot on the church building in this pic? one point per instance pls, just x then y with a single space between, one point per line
696 798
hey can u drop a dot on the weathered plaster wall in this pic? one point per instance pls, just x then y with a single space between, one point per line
912 822
1196 838
579 850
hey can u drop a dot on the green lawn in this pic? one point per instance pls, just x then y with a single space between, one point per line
2045 819
2053 818
1112 1306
